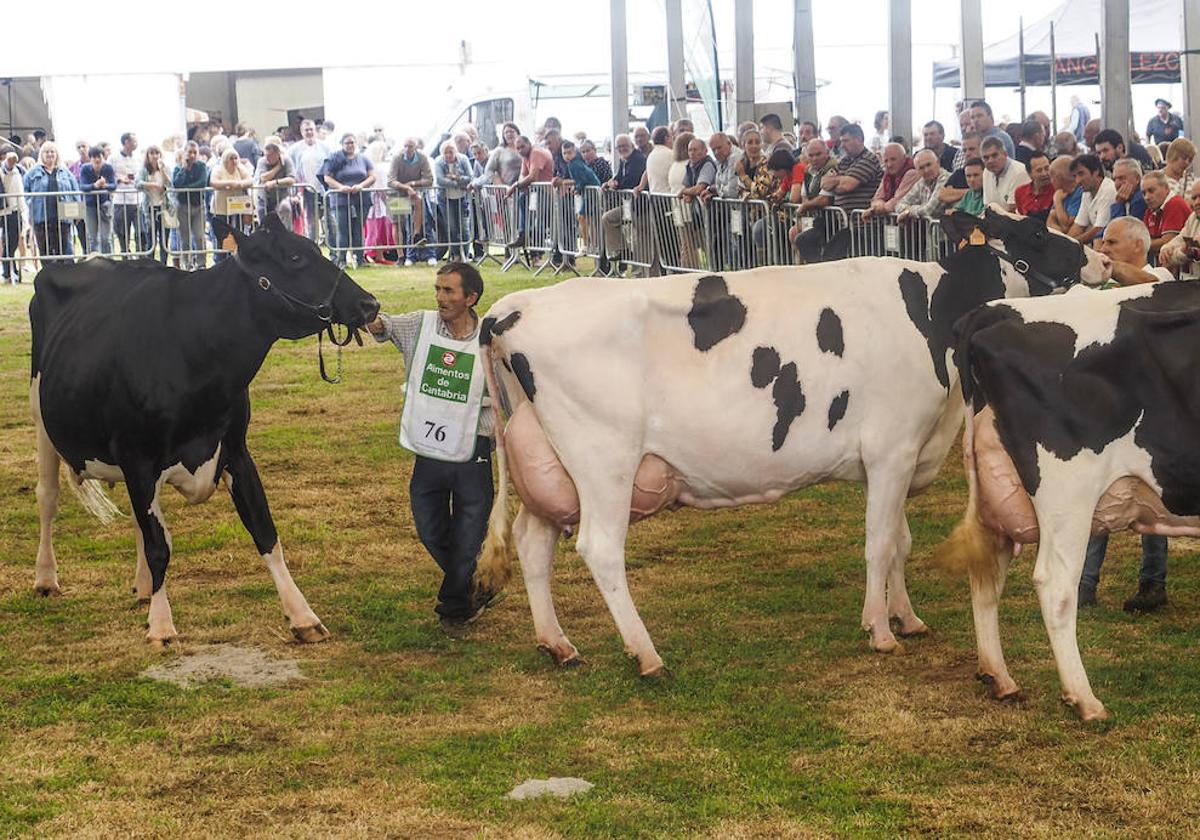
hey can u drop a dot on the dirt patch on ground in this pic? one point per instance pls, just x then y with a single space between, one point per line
243 666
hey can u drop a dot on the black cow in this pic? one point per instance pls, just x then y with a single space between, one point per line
1086 417
140 374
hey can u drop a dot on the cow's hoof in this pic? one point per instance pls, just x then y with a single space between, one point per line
47 590
1088 712
563 653
888 645
912 627
162 642
652 669
1003 691
312 634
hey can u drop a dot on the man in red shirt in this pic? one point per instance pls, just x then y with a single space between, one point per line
1166 214
536 165
1036 198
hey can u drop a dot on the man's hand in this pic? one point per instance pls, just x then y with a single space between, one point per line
610 184
376 327
830 181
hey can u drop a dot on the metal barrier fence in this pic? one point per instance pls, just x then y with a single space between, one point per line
541 227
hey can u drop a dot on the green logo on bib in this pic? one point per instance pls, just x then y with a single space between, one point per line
447 374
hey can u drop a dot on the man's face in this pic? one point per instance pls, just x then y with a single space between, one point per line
624 147
97 162
1121 246
893 160
971 147
806 133
190 154
965 123
10 160
994 159
1125 180
1107 153
553 143
568 153
641 137
481 154
974 177
1087 179
451 301
980 119
450 154
461 143
720 148
696 152
410 147
523 147
1155 193
130 144
1039 171
834 130
1163 110
928 166
817 153
851 144
309 131
932 137
82 148
1194 198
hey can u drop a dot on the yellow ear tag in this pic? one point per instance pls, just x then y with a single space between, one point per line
977 237
229 243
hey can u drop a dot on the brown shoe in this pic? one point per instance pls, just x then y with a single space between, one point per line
1149 597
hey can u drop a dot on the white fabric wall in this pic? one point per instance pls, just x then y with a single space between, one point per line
102 107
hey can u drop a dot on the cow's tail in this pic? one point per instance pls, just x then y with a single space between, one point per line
95 501
494 569
971 547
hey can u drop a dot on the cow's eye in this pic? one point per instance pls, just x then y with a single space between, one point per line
295 258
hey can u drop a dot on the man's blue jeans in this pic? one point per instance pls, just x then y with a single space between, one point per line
1154 560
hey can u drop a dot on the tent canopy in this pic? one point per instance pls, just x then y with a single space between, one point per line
1154 42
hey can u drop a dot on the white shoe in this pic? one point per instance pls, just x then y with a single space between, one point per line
408 263
431 261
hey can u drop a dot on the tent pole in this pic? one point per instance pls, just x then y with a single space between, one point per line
1053 83
1021 59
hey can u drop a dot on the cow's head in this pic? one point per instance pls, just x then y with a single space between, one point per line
297 291
1047 259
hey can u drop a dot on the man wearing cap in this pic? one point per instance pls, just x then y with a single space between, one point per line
1164 126
445 424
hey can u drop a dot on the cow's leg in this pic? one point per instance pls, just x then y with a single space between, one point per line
987 585
144 490
887 488
251 503
1064 537
900 609
142 586
45 580
535 546
604 522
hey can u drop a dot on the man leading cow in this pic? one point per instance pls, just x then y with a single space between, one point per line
444 425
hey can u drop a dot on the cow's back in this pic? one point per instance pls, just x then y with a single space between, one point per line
746 382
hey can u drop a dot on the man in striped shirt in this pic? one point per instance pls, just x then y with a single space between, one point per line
852 185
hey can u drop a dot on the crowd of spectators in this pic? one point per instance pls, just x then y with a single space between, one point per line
373 200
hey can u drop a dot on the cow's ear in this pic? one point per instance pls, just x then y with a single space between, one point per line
959 226
228 238
275 224
999 222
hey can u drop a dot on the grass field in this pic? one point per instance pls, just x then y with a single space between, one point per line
776 720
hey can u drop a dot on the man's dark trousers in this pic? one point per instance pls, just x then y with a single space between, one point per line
450 506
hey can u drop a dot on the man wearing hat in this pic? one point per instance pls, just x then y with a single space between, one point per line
1164 126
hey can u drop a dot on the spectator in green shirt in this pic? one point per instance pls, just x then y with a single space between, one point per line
972 202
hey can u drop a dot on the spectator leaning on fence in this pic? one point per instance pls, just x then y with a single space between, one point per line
275 177
230 180
1035 197
1068 195
921 200
851 185
1182 253
899 176
505 164
126 163
97 181
972 200
1003 175
985 126
658 162
12 214
1166 213
49 215
410 175
752 158
346 174
308 156
152 182
725 158
1127 178
934 137
631 167
452 176
641 140
700 171
679 161
1178 167
595 161
1099 193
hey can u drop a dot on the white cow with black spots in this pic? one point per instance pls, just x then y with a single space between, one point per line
713 391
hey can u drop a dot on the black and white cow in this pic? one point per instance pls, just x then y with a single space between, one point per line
724 390
140 374
1086 417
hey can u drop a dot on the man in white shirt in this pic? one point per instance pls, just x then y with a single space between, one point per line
1002 176
307 157
1127 242
125 164
1099 195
